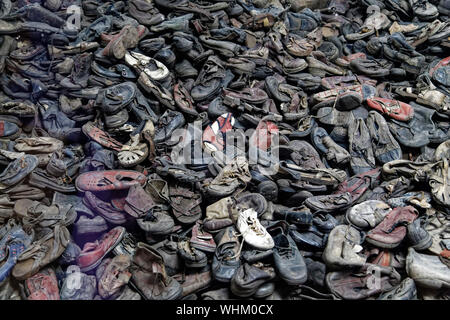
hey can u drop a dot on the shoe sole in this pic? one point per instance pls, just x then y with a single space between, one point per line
424 244
382 244
197 264
174 296
241 293
203 248
293 282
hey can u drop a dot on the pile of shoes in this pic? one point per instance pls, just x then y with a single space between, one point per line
224 149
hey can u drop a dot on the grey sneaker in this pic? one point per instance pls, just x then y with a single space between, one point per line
367 214
343 247
427 271
418 237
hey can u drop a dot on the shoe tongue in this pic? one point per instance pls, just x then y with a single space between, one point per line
227 249
282 241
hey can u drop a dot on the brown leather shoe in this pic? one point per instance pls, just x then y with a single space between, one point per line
149 275
185 204
138 202
192 283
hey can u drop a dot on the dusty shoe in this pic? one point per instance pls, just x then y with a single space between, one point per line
344 248
408 169
114 276
42 286
17 170
220 214
404 291
133 153
384 146
149 275
350 285
392 230
157 222
194 282
192 257
316 176
288 260
78 285
439 182
329 147
138 202
367 214
427 270
226 259
360 147
42 252
248 278
119 43
201 239
418 237
230 178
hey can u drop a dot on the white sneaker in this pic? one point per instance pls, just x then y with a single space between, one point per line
252 230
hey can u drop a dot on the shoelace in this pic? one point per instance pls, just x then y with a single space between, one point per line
287 252
238 253
254 226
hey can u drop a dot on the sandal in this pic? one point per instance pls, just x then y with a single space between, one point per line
133 153
185 204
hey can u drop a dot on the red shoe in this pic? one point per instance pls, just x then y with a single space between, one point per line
42 286
105 209
125 39
354 56
101 137
105 38
94 252
445 254
250 95
214 135
109 180
201 239
441 63
392 230
393 108
359 184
